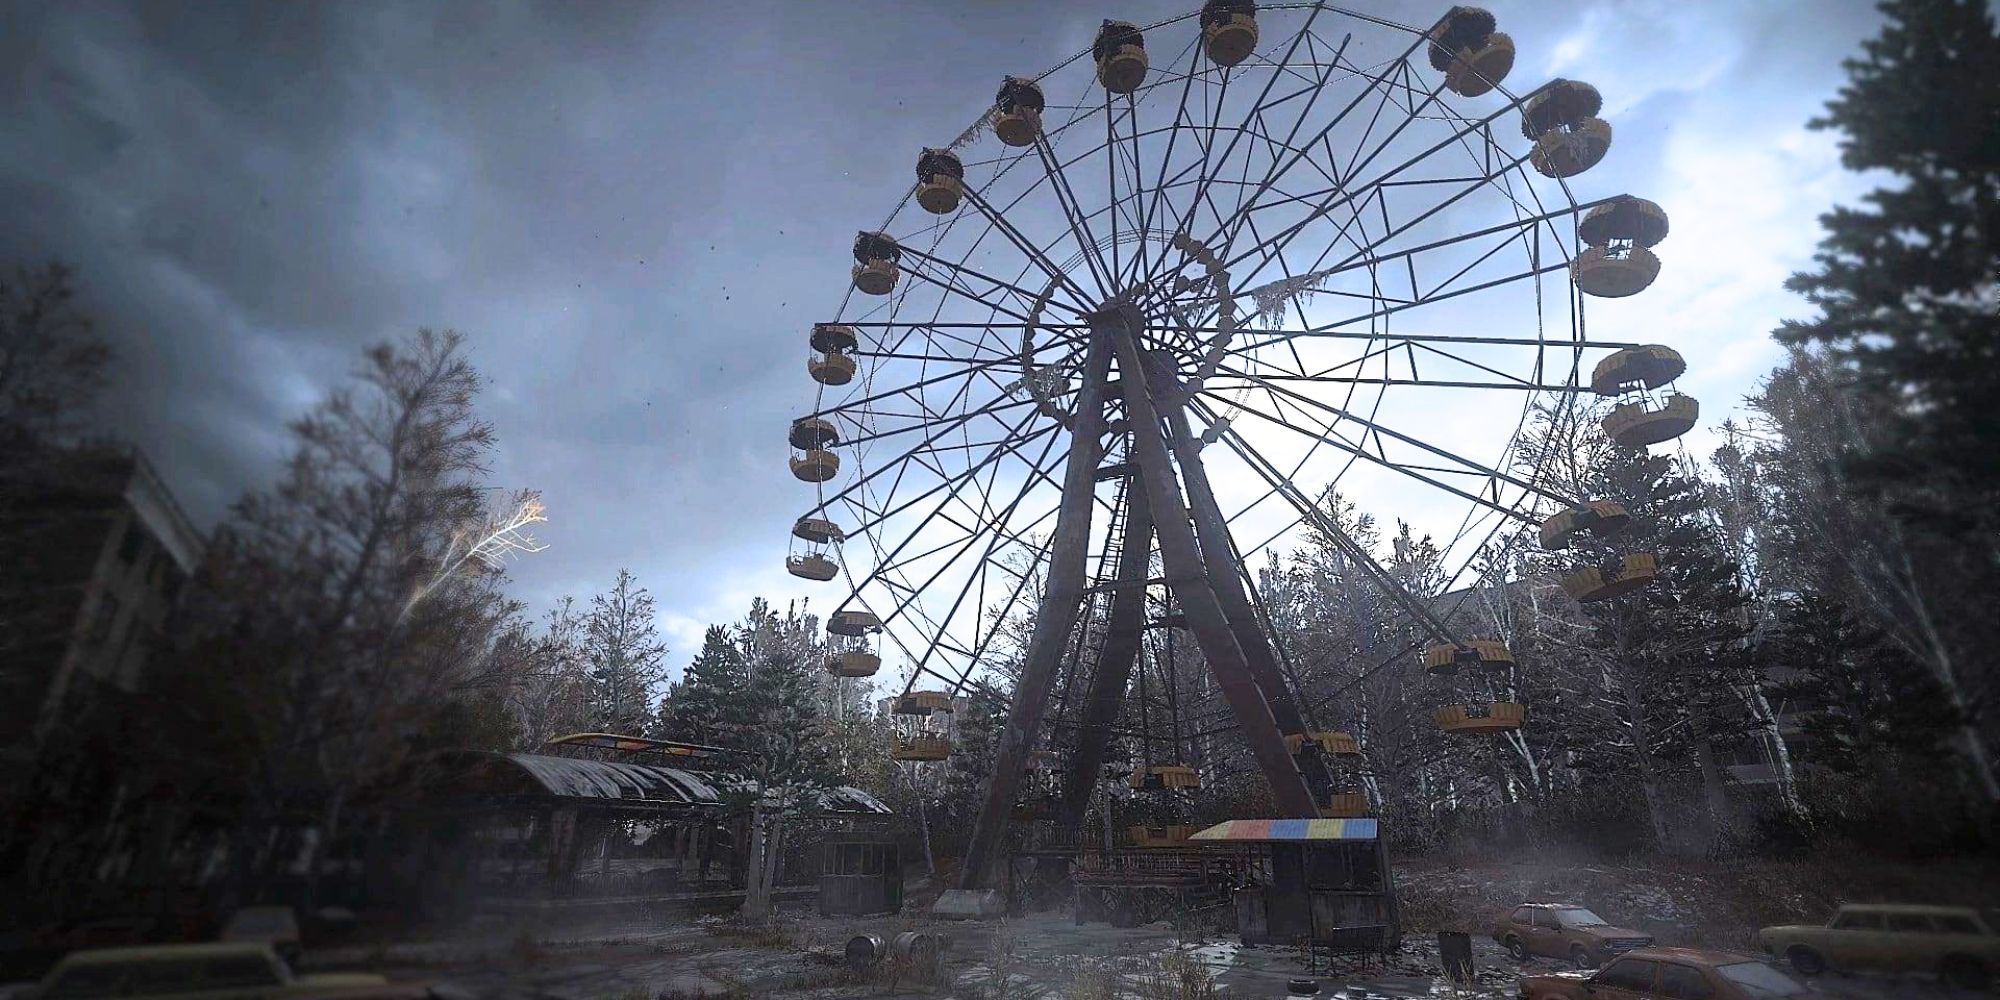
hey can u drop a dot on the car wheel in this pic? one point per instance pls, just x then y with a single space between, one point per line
1579 956
1517 948
1965 972
1807 961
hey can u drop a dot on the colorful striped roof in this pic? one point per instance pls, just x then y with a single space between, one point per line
1264 831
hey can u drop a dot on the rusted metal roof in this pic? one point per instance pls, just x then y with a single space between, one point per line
576 778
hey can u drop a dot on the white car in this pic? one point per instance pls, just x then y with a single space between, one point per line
1955 942
208 971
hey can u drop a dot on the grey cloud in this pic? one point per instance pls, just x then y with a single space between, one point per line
634 209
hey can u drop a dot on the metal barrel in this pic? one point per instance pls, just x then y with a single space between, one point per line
914 946
863 951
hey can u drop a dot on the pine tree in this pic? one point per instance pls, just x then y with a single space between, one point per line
622 645
1650 674
709 696
1906 287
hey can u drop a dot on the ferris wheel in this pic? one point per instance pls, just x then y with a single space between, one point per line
1136 322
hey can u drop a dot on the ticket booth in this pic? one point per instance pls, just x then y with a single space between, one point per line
861 875
1317 882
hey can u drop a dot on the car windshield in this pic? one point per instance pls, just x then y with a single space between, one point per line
262 920
1759 980
1579 917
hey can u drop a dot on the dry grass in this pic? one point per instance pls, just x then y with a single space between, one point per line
1177 977
775 934
1002 978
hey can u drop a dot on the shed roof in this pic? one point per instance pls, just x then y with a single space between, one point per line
1267 831
577 778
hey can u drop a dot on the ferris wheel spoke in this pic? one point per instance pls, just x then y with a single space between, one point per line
1520 227
1263 96
970 369
1329 330
1279 169
1379 457
877 517
953 287
1026 246
1339 195
949 426
1331 529
1152 209
993 537
1073 213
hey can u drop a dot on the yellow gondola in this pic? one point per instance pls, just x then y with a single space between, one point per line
1624 219
817 529
833 338
921 703
1332 742
812 567
1161 777
1228 30
1446 658
1636 368
1571 150
853 663
922 747
808 433
940 181
875 257
853 623
1498 717
1175 835
1602 518
1017 112
830 369
1636 425
1614 272
1345 805
1600 583
816 466
1472 56
1121 56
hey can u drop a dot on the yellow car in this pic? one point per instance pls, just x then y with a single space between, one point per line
1953 941
211 971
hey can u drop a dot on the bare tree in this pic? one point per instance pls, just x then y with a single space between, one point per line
322 569
627 661
52 360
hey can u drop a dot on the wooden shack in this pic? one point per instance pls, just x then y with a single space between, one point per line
861 874
1319 882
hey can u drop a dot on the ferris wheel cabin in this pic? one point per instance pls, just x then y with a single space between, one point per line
1017 112
1618 238
1228 31
940 181
1121 56
1561 119
875 268
1473 57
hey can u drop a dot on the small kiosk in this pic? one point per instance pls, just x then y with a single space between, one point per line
862 874
1318 882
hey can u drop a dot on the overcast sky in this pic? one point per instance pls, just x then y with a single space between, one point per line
636 209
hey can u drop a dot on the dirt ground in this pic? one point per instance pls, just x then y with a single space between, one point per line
1046 955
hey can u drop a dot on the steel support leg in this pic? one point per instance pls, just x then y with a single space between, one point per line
1062 601
1123 628
1189 578
1225 573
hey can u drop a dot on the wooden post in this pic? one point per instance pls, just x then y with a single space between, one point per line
1225 575
1188 577
1123 628
1061 603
